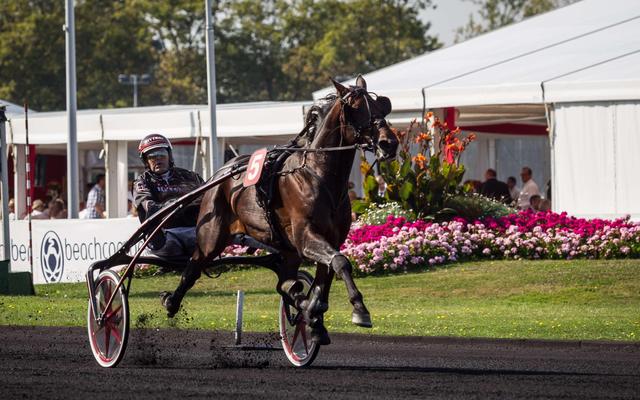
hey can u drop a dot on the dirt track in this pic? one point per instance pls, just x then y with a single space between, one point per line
56 363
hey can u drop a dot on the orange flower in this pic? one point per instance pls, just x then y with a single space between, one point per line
420 159
423 137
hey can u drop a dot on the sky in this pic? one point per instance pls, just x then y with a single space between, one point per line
447 17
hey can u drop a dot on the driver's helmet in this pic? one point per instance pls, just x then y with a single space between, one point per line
151 142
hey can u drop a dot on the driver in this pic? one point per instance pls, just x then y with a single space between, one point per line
161 184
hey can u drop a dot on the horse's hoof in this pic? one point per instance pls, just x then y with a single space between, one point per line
361 319
167 303
320 336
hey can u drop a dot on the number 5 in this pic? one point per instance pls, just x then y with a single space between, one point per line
254 168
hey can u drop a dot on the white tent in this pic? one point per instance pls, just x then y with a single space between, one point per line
555 43
12 109
258 122
579 63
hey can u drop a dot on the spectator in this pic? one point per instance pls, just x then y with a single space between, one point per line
529 188
382 186
96 199
548 190
83 210
514 191
38 211
545 205
534 202
133 211
57 209
493 188
12 210
472 185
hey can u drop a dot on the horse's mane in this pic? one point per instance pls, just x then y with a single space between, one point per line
315 117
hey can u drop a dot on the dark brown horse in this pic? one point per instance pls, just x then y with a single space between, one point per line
310 207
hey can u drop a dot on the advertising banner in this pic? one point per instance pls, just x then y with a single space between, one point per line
64 249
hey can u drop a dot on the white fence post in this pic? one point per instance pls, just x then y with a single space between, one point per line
239 304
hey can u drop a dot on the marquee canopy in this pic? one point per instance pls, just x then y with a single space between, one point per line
588 50
245 120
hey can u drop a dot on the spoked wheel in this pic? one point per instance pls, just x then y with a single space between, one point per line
295 334
109 340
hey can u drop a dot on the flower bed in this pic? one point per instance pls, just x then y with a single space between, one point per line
398 244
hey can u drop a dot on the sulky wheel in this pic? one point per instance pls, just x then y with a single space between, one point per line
108 340
295 334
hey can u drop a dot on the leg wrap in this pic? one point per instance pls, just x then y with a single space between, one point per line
341 264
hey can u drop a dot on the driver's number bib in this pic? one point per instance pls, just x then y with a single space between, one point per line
254 168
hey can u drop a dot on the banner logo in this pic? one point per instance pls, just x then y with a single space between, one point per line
51 257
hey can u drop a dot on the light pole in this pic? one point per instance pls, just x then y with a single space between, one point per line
134 80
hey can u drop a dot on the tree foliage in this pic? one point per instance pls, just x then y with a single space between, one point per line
497 13
265 50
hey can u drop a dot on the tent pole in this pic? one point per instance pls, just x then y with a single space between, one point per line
5 186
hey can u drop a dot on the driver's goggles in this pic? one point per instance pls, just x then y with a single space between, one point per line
157 154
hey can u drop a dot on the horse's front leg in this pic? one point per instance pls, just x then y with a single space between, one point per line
317 249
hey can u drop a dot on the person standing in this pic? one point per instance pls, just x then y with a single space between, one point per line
529 188
493 188
96 199
514 191
382 186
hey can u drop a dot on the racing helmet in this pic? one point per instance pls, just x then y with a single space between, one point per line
151 142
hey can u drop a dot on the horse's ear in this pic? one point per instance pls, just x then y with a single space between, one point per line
384 105
342 91
360 82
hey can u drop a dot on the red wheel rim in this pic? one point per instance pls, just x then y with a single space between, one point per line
295 334
109 338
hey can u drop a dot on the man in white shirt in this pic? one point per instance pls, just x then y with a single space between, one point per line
529 188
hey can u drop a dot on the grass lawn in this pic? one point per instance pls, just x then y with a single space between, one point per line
503 299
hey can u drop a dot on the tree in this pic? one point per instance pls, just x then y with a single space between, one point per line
337 38
265 50
111 38
178 30
497 13
32 53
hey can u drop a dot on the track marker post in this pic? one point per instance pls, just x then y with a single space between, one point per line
239 305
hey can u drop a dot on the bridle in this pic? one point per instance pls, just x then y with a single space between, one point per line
372 121
363 142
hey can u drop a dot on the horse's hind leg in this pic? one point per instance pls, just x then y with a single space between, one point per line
172 301
318 250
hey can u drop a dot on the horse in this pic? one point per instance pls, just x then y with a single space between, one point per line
309 215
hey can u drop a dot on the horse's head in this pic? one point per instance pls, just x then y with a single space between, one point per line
366 118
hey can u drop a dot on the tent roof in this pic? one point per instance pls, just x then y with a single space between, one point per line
509 65
258 119
13 109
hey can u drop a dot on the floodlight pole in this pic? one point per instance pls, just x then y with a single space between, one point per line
135 90
72 137
214 162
